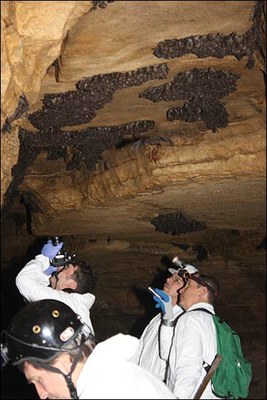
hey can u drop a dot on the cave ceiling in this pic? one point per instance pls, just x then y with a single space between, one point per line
134 120
135 131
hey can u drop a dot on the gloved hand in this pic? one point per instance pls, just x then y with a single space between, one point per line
49 250
50 270
164 303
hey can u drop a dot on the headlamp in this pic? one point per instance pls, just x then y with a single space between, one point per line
181 271
62 258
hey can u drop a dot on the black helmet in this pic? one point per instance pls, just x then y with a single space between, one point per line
41 330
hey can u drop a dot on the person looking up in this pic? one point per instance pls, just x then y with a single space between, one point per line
154 343
71 283
194 344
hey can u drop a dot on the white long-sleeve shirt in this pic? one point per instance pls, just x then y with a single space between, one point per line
33 283
194 342
151 354
108 373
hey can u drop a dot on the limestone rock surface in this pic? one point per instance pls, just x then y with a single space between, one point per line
135 130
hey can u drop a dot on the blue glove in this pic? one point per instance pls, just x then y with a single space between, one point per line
50 251
164 303
50 270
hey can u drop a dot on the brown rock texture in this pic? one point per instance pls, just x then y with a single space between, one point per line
136 131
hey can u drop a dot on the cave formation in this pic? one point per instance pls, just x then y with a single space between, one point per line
135 131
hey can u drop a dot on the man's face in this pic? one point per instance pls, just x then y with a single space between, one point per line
48 384
64 277
172 285
191 294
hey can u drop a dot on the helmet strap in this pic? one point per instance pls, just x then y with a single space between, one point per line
72 389
58 272
185 281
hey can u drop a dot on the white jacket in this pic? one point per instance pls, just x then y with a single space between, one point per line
108 373
33 283
194 342
151 354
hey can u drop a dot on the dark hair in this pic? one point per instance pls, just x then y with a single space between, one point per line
85 276
211 283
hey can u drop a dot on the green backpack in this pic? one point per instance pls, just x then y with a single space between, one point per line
232 378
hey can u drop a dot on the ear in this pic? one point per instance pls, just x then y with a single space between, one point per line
71 284
205 293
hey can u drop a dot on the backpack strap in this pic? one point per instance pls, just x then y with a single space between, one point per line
209 312
202 309
206 366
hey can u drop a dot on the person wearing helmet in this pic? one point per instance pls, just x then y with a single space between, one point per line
155 341
60 356
193 339
70 281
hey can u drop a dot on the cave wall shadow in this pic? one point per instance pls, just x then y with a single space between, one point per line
13 382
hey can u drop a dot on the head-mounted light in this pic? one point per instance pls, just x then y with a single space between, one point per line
62 258
181 269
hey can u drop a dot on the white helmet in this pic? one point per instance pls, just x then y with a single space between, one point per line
181 265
